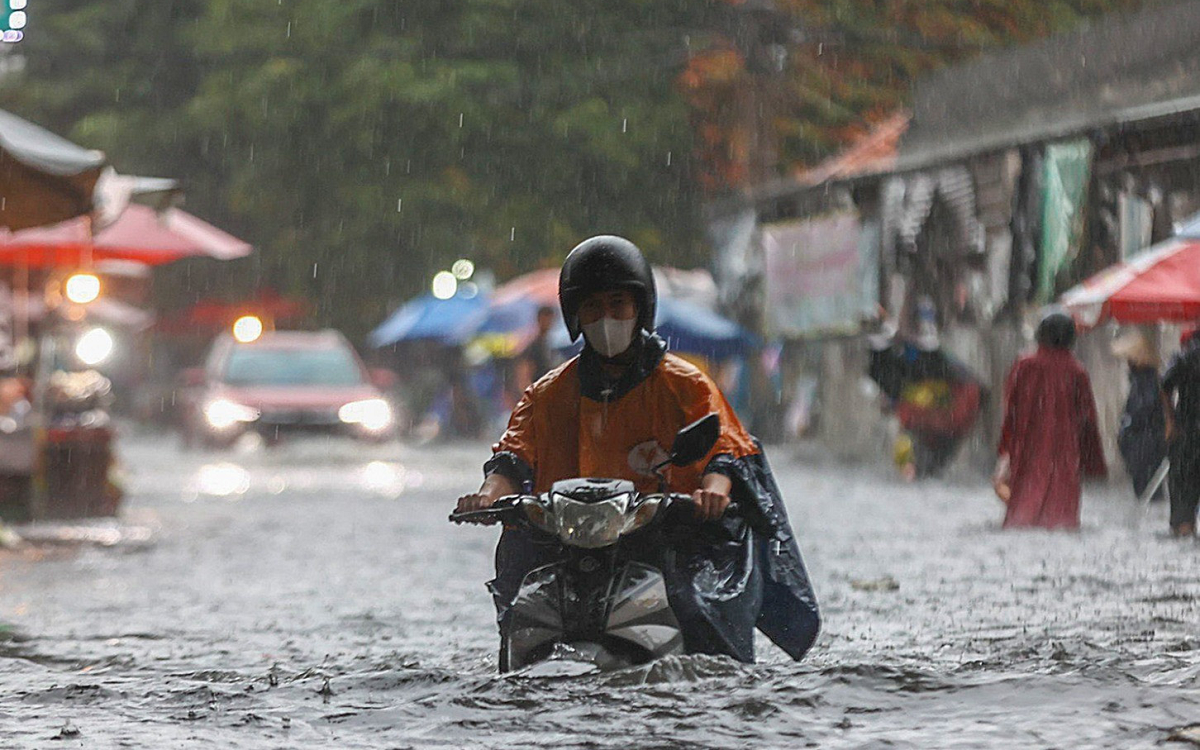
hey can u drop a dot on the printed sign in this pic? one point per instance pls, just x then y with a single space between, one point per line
821 275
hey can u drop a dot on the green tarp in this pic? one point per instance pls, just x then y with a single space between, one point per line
1065 175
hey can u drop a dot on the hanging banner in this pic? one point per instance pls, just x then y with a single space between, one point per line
820 275
1067 168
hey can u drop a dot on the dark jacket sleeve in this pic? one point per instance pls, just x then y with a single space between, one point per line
512 467
884 368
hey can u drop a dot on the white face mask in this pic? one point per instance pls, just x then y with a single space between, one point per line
609 336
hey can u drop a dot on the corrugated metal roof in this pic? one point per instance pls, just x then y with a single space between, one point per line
1123 68
873 154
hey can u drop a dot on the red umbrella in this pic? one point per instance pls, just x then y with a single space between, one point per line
141 234
1162 283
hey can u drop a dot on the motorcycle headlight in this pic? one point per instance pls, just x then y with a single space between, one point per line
372 414
590 525
222 413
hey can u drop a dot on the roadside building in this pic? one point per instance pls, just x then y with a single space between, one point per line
1017 175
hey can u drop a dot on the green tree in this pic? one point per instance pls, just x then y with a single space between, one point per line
849 63
362 145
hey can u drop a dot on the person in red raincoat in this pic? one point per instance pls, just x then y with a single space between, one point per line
1049 439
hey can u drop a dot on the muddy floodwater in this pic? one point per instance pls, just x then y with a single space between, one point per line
314 595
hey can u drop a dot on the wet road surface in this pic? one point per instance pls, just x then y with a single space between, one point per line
315 596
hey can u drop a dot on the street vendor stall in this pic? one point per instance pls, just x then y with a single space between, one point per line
75 319
44 179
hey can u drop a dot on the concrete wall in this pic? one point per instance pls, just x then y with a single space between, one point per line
1110 386
853 424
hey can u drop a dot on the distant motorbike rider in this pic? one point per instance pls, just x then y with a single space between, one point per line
612 412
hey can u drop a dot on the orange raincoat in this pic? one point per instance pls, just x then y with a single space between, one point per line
559 435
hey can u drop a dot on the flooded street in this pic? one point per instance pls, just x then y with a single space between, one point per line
315 596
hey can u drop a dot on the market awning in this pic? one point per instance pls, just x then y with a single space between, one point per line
43 178
140 233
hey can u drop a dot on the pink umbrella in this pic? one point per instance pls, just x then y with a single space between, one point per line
140 234
540 287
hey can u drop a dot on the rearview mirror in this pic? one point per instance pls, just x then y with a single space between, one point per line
693 442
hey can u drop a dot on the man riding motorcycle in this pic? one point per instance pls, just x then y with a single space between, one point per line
612 412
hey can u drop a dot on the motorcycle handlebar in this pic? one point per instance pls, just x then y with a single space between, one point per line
467 516
505 508
508 507
674 497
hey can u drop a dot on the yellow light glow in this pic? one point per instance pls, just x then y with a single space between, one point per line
82 288
462 269
247 329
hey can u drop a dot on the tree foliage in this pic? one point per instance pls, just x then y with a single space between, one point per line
363 144
849 63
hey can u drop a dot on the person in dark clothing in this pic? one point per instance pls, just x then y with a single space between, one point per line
1181 389
538 358
1141 437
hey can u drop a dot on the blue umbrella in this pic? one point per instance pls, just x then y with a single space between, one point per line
689 328
695 329
430 318
509 317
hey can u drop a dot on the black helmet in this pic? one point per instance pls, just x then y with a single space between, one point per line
606 262
1056 329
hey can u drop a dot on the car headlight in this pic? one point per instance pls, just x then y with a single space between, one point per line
372 414
591 525
222 413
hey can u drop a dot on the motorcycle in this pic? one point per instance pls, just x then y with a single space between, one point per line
600 603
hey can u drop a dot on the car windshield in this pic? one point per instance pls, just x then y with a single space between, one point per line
291 367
